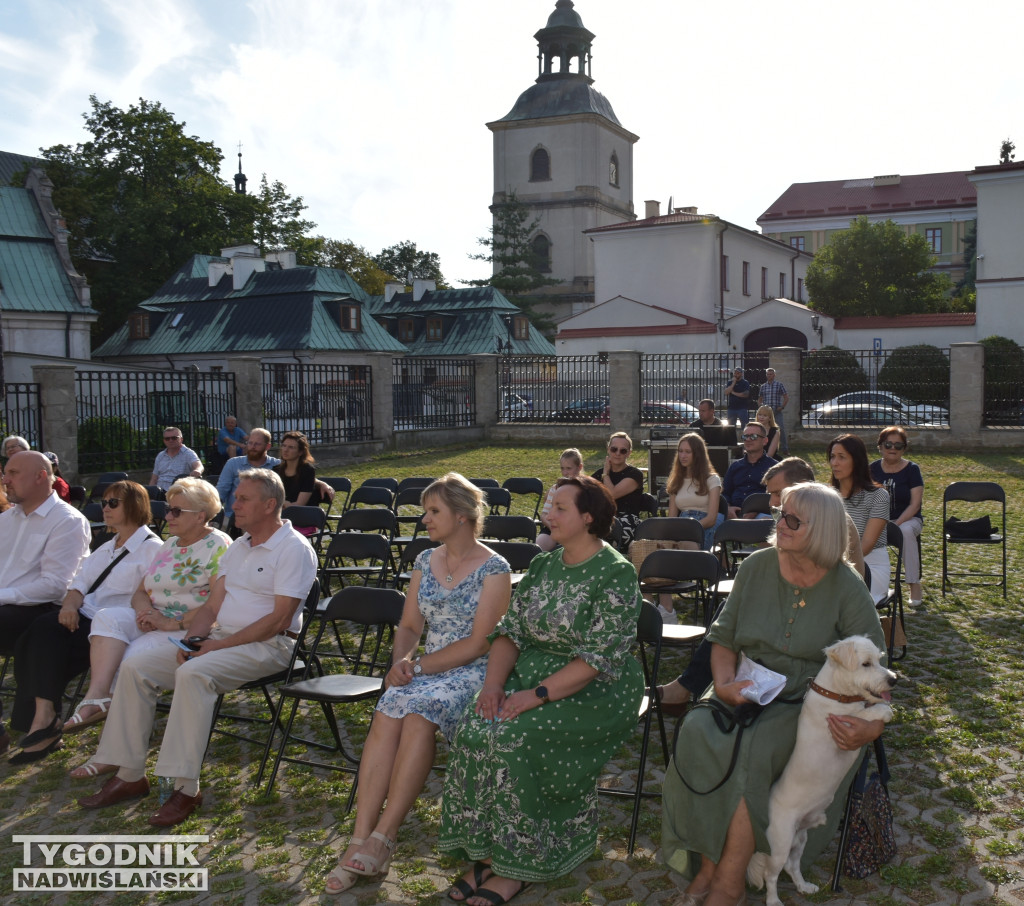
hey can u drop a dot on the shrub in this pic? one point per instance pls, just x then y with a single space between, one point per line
99 437
917 373
1004 381
829 371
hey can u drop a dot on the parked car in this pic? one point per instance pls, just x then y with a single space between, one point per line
917 413
515 407
585 410
668 412
862 415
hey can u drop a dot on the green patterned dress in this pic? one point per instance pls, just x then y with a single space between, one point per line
523 793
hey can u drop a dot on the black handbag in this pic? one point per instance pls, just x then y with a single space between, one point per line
971 529
871 841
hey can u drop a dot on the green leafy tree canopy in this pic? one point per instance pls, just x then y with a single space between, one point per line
402 259
354 260
876 269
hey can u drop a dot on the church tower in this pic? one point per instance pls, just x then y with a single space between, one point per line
565 154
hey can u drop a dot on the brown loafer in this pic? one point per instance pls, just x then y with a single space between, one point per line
116 790
5 742
176 809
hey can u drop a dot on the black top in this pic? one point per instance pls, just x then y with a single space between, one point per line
632 501
303 480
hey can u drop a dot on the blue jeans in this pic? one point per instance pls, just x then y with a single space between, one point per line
738 415
709 533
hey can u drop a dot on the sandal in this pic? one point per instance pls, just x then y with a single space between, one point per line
91 769
76 722
492 896
341 874
462 886
371 864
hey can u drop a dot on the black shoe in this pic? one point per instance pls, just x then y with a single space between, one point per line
24 757
38 736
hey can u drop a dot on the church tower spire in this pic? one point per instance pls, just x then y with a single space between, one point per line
563 43
240 179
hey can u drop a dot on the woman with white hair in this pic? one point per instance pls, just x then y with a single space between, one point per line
14 444
790 601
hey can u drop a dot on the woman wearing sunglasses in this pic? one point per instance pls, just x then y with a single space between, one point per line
177 581
624 482
790 601
55 648
902 479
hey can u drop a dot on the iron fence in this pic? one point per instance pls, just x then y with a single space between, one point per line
672 385
327 403
22 414
566 388
872 388
122 414
1004 387
433 393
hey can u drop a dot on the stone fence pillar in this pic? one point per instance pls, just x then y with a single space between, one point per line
248 391
624 390
487 389
59 414
966 388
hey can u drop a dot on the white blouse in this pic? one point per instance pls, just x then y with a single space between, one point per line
117 588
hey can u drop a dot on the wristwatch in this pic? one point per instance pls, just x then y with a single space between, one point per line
417 667
542 694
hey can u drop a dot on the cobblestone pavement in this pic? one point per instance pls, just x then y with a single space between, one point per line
958 790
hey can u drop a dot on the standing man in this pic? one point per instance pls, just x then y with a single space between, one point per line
42 541
230 440
745 474
706 409
174 461
737 395
249 626
773 393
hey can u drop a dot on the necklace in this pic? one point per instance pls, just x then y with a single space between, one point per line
449 578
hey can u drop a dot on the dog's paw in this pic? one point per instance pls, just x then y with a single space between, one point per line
772 901
806 886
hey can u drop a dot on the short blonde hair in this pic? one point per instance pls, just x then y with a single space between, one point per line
770 412
823 510
461 496
573 455
198 494
624 436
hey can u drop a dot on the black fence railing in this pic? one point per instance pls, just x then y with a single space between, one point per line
21 414
433 393
672 385
122 414
327 403
565 389
872 388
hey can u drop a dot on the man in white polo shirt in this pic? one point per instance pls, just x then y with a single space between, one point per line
256 599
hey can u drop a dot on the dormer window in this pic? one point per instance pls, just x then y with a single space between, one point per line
138 327
406 330
348 317
521 327
434 330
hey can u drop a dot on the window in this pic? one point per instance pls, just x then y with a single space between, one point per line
138 327
406 330
521 327
348 317
764 283
782 285
797 242
746 278
542 252
613 170
434 330
540 166
280 376
933 236
725 272
799 289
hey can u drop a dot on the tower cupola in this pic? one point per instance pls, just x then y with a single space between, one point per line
563 45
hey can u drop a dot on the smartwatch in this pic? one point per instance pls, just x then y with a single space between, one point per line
542 694
417 667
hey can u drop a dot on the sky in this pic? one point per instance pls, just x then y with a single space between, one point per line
375 111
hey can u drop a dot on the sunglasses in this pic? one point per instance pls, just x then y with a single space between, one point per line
618 449
176 511
753 436
893 445
172 437
780 515
110 502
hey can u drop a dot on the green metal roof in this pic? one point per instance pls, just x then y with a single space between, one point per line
466 299
20 217
560 97
11 163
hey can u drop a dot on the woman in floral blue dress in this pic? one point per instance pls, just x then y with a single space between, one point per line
460 590
560 696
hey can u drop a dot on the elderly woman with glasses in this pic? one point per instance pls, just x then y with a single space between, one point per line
790 601
902 479
175 584
55 648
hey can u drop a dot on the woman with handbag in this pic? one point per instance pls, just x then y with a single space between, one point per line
789 602
55 648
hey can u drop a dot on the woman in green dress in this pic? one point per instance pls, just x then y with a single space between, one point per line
789 602
560 696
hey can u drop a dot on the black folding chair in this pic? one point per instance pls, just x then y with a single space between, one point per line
685 573
309 521
891 606
509 528
527 487
370 496
736 539
352 556
498 500
974 492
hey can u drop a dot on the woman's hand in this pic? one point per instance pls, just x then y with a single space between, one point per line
731 693
517 703
152 620
400 673
851 733
489 702
68 618
607 467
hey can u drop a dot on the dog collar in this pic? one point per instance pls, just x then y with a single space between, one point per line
835 696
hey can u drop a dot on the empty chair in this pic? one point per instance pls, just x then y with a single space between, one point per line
509 528
373 519
519 554
158 508
891 606
155 492
407 558
76 495
414 482
390 483
974 492
356 558
408 506
308 521
498 500
670 528
527 487
370 496
756 503
738 538
688 573
342 488
107 478
648 505
485 482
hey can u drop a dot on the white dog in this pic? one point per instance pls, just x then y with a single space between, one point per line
852 682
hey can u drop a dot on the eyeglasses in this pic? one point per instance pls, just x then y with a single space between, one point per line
780 515
753 436
618 449
110 502
172 437
893 445
176 511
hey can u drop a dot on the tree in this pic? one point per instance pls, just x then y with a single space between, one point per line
519 266
965 296
277 224
918 373
142 196
829 371
403 259
354 260
876 269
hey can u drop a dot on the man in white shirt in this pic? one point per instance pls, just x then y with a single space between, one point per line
174 461
42 542
255 602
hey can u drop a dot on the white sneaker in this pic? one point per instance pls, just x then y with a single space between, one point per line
668 616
